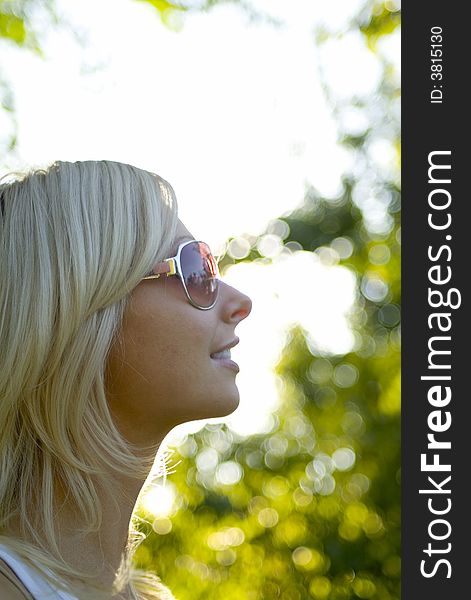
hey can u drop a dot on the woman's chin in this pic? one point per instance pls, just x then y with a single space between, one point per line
220 407
229 407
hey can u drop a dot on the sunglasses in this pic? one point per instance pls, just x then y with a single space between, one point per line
197 269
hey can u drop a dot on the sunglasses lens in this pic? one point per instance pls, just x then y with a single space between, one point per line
199 270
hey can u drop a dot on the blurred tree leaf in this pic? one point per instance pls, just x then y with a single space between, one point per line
171 11
383 22
12 28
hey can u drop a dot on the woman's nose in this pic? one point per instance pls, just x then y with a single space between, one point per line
236 306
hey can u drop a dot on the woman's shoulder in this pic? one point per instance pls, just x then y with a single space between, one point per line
11 588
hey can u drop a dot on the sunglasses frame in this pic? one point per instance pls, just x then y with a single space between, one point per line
172 266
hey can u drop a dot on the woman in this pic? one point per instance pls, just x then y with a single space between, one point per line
105 346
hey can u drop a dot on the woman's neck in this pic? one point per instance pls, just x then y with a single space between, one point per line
102 552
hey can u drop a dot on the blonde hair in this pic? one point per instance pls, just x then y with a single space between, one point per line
75 239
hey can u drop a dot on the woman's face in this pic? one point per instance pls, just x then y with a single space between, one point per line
163 374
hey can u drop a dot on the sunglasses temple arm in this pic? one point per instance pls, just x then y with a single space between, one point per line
167 267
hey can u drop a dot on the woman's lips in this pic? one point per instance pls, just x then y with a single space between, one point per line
227 362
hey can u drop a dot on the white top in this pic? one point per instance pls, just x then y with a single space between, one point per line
31 579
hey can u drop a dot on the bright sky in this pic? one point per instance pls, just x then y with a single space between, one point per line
232 114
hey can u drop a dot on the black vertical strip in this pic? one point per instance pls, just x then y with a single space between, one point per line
429 127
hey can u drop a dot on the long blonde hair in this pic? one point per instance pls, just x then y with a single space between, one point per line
75 239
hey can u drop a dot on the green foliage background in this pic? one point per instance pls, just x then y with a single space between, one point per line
316 509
